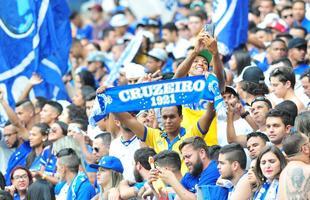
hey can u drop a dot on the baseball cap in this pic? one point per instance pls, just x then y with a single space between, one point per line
133 70
96 56
119 20
251 74
262 98
297 42
158 53
206 54
109 162
231 90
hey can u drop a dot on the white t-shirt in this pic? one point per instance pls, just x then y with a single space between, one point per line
241 127
179 49
124 150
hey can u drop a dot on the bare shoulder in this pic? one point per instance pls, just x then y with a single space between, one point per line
295 181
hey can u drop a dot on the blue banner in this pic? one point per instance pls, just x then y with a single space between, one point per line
231 23
35 37
157 94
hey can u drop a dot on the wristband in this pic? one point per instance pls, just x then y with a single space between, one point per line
244 115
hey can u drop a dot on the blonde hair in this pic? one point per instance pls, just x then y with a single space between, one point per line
68 142
116 178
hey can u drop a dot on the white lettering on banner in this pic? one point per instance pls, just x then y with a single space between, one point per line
163 100
162 91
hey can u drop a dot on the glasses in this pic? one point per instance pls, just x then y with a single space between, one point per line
24 176
262 98
9 135
65 152
287 16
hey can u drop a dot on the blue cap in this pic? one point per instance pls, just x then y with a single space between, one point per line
109 162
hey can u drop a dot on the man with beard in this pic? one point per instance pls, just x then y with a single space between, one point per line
18 157
231 165
141 173
202 170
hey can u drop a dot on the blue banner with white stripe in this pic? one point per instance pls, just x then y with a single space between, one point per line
231 23
157 94
35 36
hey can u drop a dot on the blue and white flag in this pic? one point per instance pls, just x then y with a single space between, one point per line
35 36
127 56
157 94
231 23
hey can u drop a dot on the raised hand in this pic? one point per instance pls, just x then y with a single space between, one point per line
35 79
200 43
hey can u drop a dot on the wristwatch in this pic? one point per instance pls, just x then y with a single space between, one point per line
244 115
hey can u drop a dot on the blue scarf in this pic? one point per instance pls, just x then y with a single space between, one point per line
158 94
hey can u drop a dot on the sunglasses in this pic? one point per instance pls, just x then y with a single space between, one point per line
65 152
262 98
96 149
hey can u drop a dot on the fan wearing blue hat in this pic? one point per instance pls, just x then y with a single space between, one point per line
109 174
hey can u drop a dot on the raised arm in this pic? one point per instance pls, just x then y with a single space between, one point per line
206 119
217 64
231 134
34 80
132 123
185 66
22 131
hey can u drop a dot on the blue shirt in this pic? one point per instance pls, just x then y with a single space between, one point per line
80 188
208 176
16 196
48 160
305 23
263 65
18 158
301 68
36 165
84 33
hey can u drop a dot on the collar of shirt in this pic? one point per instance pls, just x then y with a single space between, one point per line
175 140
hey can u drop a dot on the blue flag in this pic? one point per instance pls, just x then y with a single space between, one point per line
231 23
35 36
157 94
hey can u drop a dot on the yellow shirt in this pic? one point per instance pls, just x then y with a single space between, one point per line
159 141
191 117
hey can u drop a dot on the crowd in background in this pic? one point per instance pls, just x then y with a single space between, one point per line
260 150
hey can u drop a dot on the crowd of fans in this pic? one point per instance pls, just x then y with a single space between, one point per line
260 150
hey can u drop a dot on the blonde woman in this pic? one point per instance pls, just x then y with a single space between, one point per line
109 175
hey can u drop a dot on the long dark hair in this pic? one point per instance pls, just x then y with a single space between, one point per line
44 130
243 59
87 78
41 190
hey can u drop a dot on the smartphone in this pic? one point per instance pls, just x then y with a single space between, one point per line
209 28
